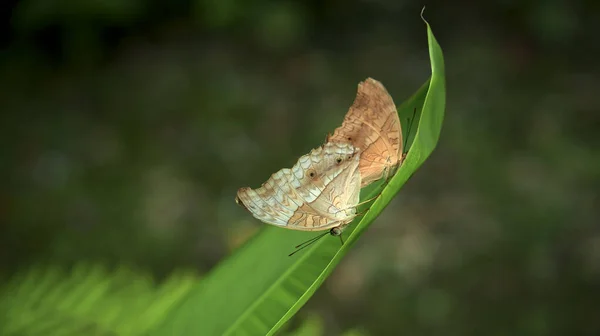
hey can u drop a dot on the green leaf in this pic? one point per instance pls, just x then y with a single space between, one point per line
259 288
312 326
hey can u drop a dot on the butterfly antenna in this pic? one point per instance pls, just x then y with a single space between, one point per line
311 240
298 250
307 243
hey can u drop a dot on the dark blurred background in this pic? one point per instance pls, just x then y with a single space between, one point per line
128 125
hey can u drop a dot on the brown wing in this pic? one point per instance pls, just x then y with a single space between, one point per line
372 124
287 197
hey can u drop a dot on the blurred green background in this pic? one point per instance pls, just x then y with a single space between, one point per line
127 126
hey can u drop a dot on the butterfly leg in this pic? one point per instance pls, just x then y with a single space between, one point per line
385 183
367 201
361 203
362 213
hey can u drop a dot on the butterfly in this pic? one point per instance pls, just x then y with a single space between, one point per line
320 192
372 124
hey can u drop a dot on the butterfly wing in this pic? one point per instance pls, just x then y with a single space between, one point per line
372 124
271 203
335 204
285 198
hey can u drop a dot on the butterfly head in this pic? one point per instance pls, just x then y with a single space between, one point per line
336 231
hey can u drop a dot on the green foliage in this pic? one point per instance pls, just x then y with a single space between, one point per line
88 300
259 288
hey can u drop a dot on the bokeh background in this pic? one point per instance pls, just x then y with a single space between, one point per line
127 126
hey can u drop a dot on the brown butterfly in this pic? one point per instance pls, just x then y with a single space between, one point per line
372 124
320 192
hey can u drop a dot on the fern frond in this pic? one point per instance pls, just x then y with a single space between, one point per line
88 300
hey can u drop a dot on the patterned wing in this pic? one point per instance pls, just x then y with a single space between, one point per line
372 124
336 203
291 190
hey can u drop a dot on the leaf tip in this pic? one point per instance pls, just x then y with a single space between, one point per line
423 17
